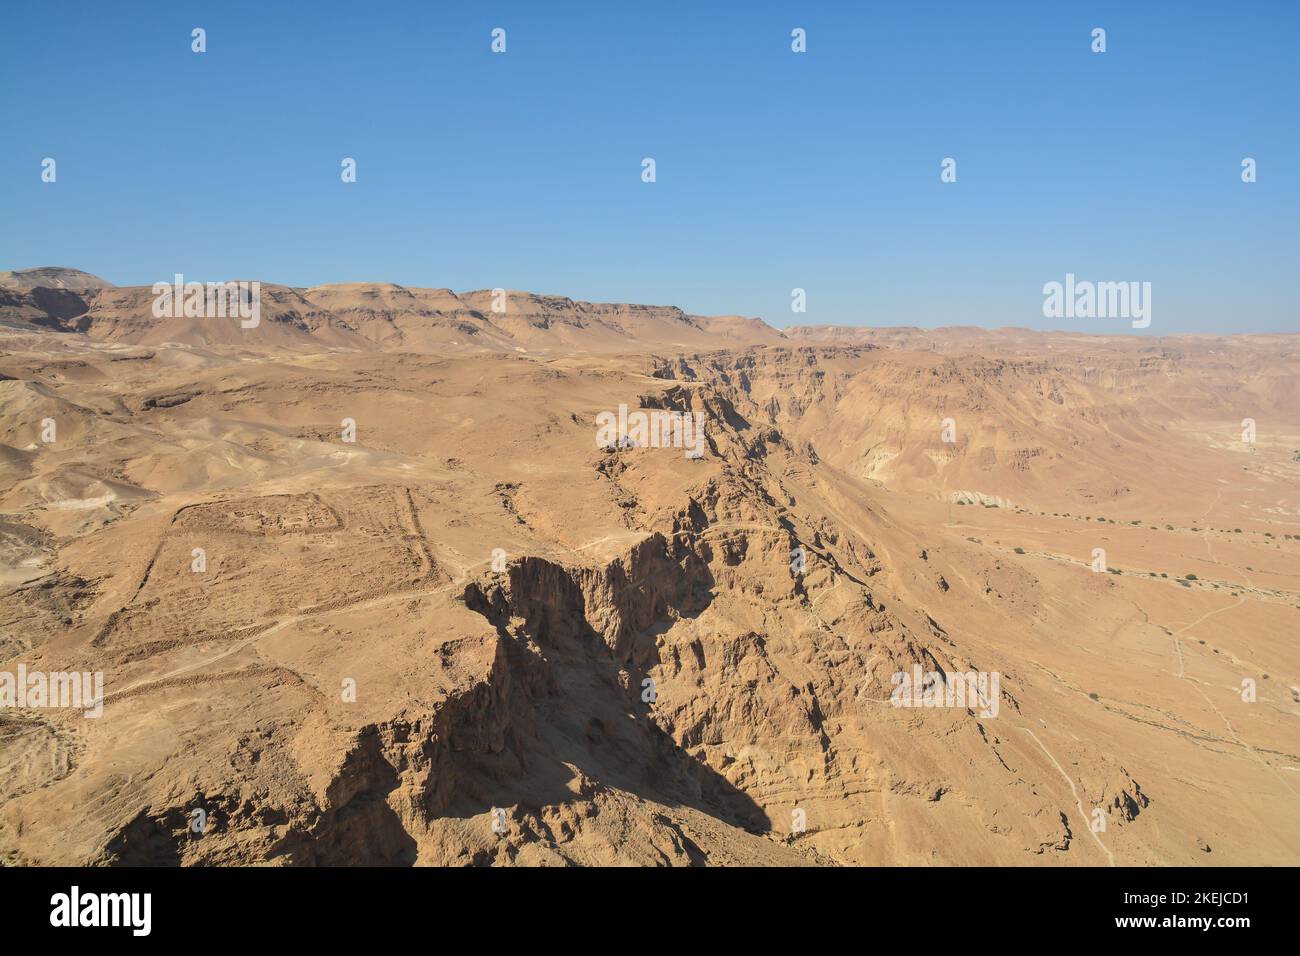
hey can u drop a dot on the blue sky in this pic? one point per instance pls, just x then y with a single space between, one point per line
775 170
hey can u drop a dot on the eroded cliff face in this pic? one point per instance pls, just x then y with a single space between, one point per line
762 696
670 661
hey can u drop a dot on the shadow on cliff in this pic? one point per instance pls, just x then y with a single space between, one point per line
363 830
575 695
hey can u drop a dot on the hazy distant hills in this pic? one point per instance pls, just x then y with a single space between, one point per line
372 315
384 316
52 277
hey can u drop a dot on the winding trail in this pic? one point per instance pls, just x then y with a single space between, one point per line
1077 802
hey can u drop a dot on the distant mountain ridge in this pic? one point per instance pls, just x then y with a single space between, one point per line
372 316
52 277
384 316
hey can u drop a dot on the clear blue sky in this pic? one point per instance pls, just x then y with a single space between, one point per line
775 170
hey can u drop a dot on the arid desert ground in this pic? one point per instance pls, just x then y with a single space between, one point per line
459 631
